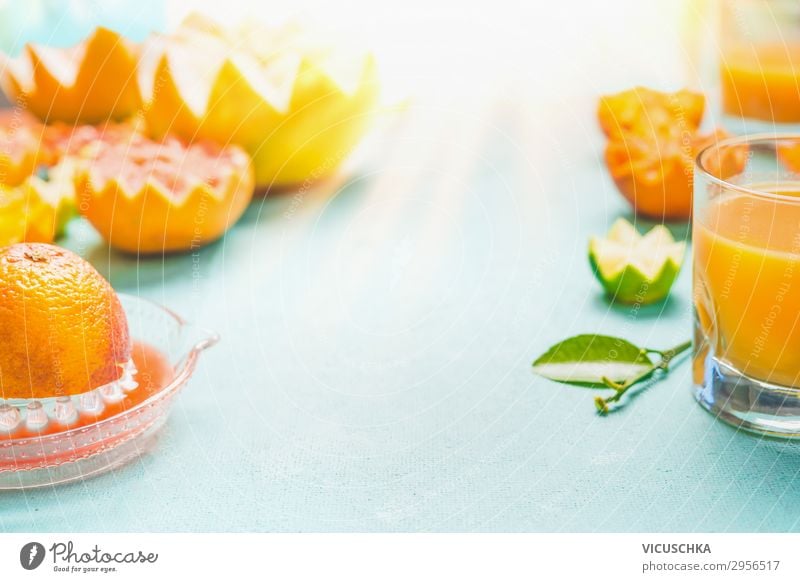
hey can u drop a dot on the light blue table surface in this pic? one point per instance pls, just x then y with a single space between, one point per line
374 373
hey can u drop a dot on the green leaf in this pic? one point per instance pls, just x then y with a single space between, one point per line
588 359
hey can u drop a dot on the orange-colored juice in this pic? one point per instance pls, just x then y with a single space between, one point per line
747 283
762 82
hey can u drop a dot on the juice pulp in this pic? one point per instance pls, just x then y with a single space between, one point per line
153 372
747 283
762 82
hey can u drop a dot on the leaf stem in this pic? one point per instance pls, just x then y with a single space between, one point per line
621 388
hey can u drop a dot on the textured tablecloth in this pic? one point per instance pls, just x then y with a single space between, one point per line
374 373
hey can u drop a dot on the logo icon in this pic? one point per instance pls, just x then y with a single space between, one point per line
31 555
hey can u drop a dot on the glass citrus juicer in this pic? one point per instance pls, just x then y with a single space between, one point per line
48 441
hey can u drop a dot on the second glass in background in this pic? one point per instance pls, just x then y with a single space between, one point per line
759 65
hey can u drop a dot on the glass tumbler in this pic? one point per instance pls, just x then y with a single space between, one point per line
746 239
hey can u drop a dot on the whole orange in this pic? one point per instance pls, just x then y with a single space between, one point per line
62 328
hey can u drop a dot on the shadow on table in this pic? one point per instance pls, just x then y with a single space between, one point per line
268 208
129 271
341 191
665 308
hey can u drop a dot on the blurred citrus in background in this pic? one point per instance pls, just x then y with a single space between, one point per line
298 105
90 82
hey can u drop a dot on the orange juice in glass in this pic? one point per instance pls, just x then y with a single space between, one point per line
760 63
746 237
